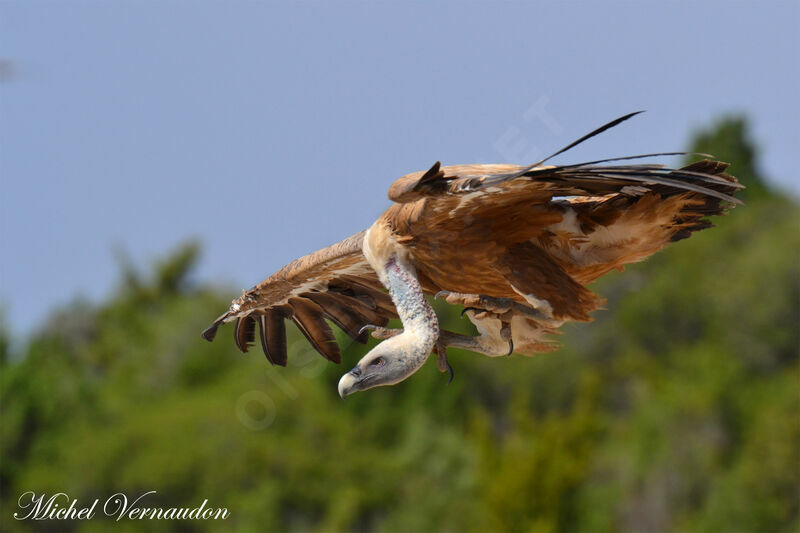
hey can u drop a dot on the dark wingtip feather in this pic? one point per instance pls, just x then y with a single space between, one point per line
589 135
308 316
210 332
245 333
433 173
262 336
629 157
272 333
434 177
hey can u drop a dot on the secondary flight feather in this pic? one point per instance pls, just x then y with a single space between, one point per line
515 245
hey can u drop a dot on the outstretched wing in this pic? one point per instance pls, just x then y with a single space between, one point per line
335 283
541 182
585 215
538 234
581 179
589 217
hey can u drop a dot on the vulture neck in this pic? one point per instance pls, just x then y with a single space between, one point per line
420 326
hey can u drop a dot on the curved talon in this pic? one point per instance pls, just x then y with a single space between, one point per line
441 361
441 294
367 327
510 347
470 309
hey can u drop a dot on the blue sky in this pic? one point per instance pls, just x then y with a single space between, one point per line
270 130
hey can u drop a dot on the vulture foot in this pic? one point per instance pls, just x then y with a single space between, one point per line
479 344
379 332
483 306
440 349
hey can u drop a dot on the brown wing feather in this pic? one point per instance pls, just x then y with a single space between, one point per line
309 319
335 283
579 180
346 314
245 333
272 332
369 291
539 235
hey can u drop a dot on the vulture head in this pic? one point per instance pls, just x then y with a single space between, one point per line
388 363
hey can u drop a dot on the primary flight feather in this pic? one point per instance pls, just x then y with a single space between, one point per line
515 245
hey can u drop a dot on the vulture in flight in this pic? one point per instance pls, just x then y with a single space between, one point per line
515 245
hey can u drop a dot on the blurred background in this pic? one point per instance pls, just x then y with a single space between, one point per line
155 158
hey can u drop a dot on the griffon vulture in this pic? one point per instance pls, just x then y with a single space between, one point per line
515 245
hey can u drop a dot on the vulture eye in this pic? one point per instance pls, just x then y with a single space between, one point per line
377 362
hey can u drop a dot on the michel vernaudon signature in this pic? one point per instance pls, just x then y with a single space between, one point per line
60 506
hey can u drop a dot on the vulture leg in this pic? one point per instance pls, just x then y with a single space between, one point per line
492 346
503 309
448 338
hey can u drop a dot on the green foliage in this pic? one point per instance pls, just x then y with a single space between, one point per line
677 409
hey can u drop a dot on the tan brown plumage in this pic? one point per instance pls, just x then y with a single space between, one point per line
335 283
517 244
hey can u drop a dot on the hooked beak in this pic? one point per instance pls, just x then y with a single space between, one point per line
350 382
